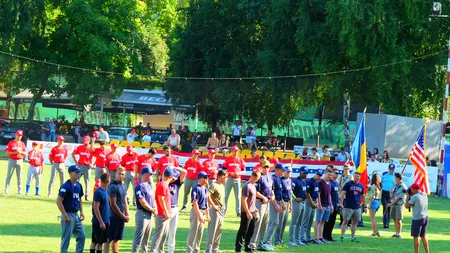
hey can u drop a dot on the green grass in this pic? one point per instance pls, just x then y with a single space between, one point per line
29 224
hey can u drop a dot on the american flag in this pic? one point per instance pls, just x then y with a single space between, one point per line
418 160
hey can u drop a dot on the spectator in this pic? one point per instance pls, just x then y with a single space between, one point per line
139 129
326 156
52 132
170 127
419 203
374 204
131 136
305 153
223 144
237 132
248 136
173 140
398 197
194 141
376 154
213 142
314 156
253 138
45 129
385 157
102 135
372 159
147 137
343 156
148 127
75 121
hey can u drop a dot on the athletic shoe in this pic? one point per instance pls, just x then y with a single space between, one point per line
49 195
266 247
86 199
386 226
272 247
20 193
394 235
317 241
399 236
342 239
5 192
300 243
293 244
324 240
183 209
354 240
37 195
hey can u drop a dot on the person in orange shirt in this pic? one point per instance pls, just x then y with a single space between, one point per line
100 157
36 169
113 160
211 167
166 161
57 157
235 166
16 151
193 167
146 161
130 162
84 162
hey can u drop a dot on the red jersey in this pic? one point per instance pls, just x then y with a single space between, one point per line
162 189
234 164
113 161
193 168
58 154
36 159
257 167
211 168
84 154
129 161
144 161
16 146
164 162
100 157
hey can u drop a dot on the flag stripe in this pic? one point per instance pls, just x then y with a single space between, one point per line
418 160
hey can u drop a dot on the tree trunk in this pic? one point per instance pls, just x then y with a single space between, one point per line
345 120
33 103
319 128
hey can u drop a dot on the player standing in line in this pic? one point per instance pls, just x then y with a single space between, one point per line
216 211
178 176
211 167
84 162
112 162
100 157
193 167
286 204
235 166
36 169
298 207
130 162
146 161
312 193
166 161
57 157
100 215
16 151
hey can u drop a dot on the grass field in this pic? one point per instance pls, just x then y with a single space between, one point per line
29 224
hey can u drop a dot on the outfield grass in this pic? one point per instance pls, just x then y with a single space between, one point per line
30 224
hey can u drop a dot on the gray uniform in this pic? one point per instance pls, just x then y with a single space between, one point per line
56 167
234 183
217 193
260 225
74 227
14 165
278 237
36 173
274 220
161 230
189 184
143 230
307 221
86 173
298 208
98 172
129 179
195 232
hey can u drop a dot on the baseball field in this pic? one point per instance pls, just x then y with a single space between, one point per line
30 224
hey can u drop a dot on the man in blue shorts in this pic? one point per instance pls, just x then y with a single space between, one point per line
324 207
100 215
353 193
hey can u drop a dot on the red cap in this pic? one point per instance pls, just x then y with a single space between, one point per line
211 151
147 131
34 144
235 148
86 139
114 145
195 151
415 187
129 148
133 131
61 138
19 132
95 134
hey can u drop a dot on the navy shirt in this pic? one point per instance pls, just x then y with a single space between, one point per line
334 194
286 185
174 189
353 194
200 194
277 187
144 191
264 186
299 187
101 196
117 190
71 194
312 188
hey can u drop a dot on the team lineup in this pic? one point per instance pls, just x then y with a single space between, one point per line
263 203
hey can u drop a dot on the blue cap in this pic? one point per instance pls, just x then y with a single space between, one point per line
146 170
304 169
175 174
319 172
279 166
391 166
168 172
74 168
202 174
287 169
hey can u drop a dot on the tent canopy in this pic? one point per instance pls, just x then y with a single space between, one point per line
143 99
26 97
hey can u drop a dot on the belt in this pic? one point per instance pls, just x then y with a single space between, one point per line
301 200
74 211
173 206
203 209
286 200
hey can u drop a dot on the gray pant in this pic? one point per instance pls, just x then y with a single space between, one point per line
214 230
173 226
112 175
195 232
274 220
17 165
36 173
161 230
260 225
129 179
298 209
278 238
86 173
143 231
60 167
188 185
236 185
307 221
98 172
75 228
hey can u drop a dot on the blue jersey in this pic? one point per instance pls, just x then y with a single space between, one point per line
353 192
264 186
286 185
117 190
334 194
299 187
144 191
101 196
312 187
387 181
200 194
174 189
277 188
71 194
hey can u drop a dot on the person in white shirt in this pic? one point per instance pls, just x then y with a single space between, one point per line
147 137
173 140
237 132
342 156
315 156
102 135
131 136
372 159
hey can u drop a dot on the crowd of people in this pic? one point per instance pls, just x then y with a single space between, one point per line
263 204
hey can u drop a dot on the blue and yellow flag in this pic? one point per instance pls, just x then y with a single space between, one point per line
359 152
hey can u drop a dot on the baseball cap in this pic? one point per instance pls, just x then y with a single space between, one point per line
34 144
287 169
74 168
266 164
168 172
202 174
61 138
391 166
304 169
86 139
129 148
211 151
279 166
195 152
235 148
133 131
114 145
146 170
319 172
415 186
19 132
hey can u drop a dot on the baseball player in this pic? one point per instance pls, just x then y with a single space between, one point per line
312 193
36 169
199 213
146 161
178 176
259 166
210 166
298 207
129 161
100 157
57 157
193 167
166 161
69 203
286 204
235 166
84 162
16 151
216 212
100 215
113 160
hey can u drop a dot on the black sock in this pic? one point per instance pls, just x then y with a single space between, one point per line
98 251
92 250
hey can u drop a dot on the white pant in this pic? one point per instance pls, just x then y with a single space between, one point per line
172 229
34 172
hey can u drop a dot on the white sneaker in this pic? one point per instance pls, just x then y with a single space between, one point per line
317 241
292 243
6 192
267 247
300 243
